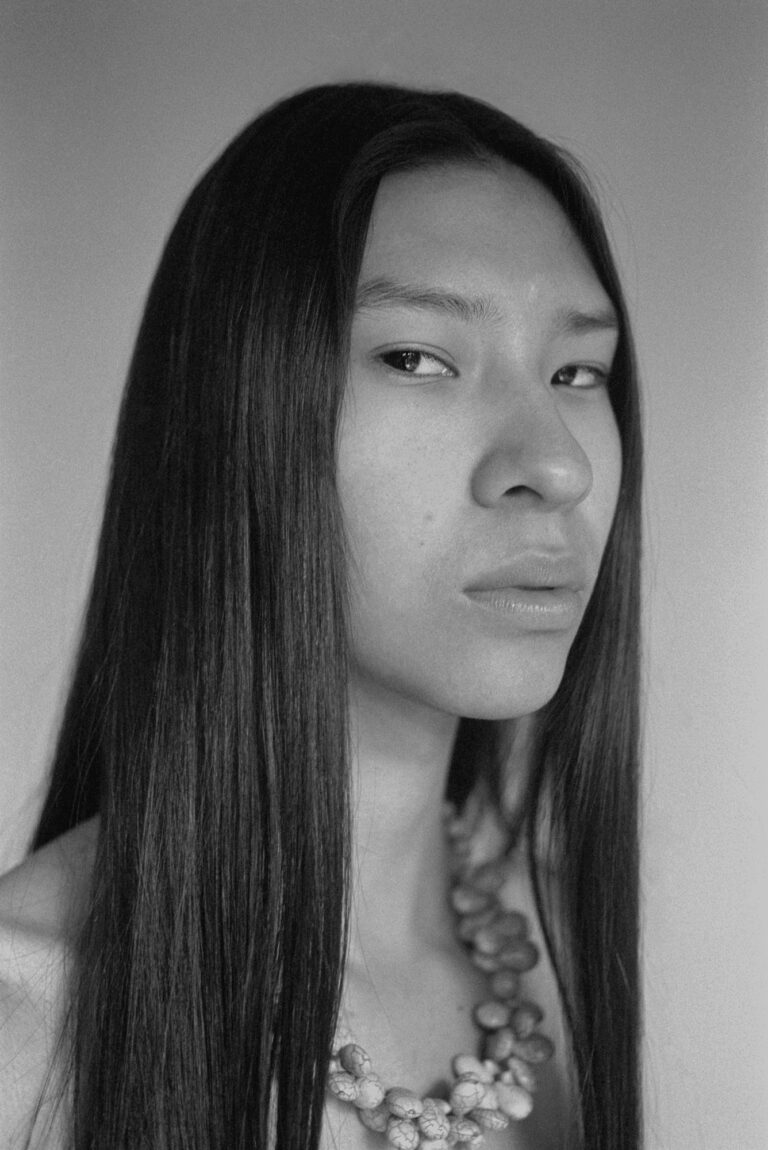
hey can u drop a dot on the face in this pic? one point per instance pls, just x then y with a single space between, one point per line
478 456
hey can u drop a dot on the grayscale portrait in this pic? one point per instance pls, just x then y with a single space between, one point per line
384 452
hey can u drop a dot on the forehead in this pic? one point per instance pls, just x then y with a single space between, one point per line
477 228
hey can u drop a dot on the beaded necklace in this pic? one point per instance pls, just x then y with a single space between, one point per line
489 1091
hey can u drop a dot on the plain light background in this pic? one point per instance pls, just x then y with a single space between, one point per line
110 111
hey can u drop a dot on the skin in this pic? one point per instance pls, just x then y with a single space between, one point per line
464 444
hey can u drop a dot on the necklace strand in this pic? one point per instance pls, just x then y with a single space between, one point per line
487 1091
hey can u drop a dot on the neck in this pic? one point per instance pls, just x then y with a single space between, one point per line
400 758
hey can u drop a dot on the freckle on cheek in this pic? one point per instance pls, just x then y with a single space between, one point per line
428 518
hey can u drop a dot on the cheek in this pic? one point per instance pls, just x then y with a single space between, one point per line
609 466
606 459
393 483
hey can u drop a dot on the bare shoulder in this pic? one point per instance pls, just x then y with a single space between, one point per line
41 901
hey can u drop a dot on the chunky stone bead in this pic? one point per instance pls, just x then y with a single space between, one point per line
466 1093
370 1092
403 1103
469 924
433 1121
514 1101
536 1049
491 1119
466 900
512 924
519 955
488 963
490 1100
465 1130
522 1073
487 940
525 1018
402 1133
500 1044
354 1059
343 1085
490 876
466 1065
491 1015
505 983
376 1119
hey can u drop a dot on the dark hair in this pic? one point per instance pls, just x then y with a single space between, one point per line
207 722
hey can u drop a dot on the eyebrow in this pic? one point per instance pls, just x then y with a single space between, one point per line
385 292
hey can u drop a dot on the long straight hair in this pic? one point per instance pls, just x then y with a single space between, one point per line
207 719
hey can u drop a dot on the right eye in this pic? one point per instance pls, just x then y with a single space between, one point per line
411 361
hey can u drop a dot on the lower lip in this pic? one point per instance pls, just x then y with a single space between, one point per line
532 609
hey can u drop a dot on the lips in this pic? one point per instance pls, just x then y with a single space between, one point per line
534 571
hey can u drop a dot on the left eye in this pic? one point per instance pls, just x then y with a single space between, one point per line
580 375
412 362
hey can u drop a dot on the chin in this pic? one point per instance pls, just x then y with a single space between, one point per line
509 693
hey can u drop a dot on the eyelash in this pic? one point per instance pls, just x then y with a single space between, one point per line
600 377
401 352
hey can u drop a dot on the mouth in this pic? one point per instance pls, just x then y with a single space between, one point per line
537 608
534 572
535 591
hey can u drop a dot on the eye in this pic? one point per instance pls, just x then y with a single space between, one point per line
410 361
580 375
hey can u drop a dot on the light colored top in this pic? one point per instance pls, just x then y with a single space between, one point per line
40 902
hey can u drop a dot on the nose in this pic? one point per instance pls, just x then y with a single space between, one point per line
533 454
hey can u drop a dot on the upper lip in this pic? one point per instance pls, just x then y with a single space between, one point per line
534 570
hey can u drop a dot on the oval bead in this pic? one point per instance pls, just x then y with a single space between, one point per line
522 1073
466 1065
402 1134
434 1144
354 1059
490 1100
343 1085
536 1049
375 1119
465 1130
370 1092
469 924
466 1093
500 1044
525 1018
491 1119
489 877
520 955
514 1101
491 1016
488 963
505 983
512 924
433 1121
466 900
403 1103
487 940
